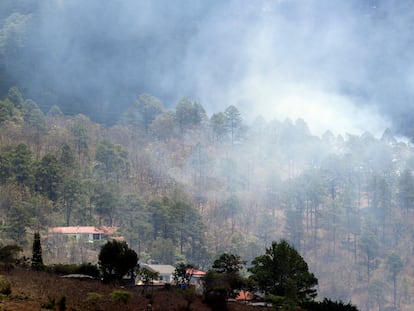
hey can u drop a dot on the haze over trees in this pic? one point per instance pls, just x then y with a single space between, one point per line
96 59
343 202
185 184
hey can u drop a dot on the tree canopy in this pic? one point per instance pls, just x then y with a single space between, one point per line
228 263
116 259
181 191
282 271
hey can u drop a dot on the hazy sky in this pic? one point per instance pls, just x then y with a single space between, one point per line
340 65
343 65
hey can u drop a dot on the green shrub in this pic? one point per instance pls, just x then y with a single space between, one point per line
121 296
85 268
19 297
88 269
5 286
94 297
49 304
63 268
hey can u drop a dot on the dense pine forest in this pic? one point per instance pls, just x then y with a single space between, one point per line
183 186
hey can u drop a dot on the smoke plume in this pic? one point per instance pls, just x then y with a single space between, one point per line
340 65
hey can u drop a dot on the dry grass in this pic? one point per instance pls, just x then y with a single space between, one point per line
33 291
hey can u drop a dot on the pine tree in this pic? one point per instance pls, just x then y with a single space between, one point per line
283 272
37 261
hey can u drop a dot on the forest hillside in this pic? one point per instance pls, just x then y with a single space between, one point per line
145 116
182 186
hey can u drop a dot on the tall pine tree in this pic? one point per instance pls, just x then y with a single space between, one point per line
37 261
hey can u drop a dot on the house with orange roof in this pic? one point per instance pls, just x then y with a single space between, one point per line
77 244
196 276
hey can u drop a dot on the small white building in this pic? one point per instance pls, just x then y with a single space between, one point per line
166 272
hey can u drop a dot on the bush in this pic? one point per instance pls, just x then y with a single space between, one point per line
49 304
8 256
215 302
85 268
94 297
189 295
89 269
216 299
5 286
62 269
121 296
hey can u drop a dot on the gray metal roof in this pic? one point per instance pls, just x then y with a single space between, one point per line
161 269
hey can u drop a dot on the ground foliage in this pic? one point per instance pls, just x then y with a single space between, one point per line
29 290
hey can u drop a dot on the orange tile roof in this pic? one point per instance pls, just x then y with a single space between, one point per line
244 295
195 272
83 230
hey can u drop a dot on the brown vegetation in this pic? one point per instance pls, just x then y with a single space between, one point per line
33 290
